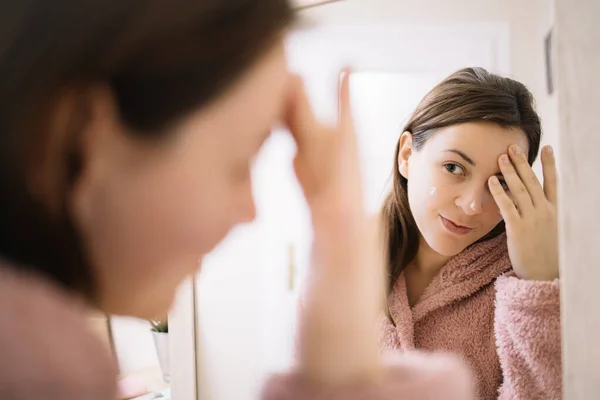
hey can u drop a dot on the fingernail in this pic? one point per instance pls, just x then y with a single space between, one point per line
516 150
494 180
549 150
504 159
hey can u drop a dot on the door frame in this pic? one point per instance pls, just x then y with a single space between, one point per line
182 343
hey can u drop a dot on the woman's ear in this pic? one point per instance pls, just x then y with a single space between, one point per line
103 140
103 148
63 155
404 153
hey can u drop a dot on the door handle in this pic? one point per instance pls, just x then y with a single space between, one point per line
291 267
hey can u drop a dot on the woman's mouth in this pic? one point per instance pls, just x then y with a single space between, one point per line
454 228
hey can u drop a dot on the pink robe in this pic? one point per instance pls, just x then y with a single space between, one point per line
506 328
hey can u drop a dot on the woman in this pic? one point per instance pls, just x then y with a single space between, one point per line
472 237
127 133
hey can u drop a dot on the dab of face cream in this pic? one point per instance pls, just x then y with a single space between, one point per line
433 191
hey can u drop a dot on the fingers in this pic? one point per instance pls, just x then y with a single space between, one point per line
344 110
528 178
346 132
518 190
505 204
298 115
327 156
301 120
550 179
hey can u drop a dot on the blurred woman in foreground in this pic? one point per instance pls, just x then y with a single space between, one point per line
127 131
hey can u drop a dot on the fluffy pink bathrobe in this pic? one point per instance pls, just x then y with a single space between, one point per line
506 328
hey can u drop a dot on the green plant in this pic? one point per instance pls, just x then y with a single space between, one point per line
160 325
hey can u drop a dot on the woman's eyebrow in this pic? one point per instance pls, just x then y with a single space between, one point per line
463 155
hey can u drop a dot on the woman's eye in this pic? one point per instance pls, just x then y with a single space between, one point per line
454 169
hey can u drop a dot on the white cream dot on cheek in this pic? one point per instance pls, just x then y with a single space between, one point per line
433 191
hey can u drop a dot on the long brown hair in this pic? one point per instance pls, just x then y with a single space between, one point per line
162 59
470 94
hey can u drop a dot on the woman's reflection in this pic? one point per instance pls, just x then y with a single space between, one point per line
472 236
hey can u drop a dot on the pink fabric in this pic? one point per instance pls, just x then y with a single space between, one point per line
46 350
506 328
410 376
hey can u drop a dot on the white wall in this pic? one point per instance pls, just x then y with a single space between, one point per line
133 344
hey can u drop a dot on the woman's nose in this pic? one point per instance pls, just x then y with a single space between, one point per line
472 202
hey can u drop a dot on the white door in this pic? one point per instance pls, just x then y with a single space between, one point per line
246 301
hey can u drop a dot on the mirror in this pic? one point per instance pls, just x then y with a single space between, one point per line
399 51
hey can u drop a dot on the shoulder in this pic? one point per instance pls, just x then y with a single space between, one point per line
47 350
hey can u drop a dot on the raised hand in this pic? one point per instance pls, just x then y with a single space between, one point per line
345 294
327 159
530 214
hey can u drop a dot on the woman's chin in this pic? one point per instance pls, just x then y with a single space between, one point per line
446 247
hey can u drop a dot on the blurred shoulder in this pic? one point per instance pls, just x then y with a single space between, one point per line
47 349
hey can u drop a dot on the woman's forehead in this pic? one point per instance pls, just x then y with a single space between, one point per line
477 138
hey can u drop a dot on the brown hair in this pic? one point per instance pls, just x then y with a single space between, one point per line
161 59
470 94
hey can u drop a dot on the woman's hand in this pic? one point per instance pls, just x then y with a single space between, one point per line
326 163
530 215
338 341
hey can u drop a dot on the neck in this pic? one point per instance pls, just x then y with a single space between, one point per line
427 260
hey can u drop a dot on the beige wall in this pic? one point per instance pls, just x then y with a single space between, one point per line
578 45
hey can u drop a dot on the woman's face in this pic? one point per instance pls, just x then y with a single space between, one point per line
148 212
447 182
